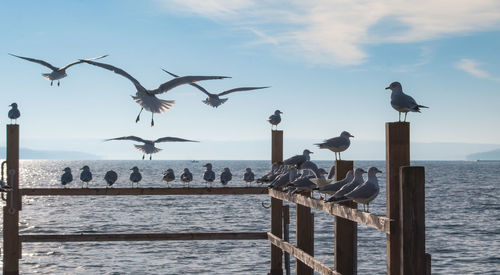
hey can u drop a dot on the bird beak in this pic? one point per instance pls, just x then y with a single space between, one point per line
378 171
351 135
364 172
387 88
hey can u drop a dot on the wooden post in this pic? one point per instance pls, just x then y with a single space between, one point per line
286 235
346 232
276 207
412 220
305 233
11 243
397 155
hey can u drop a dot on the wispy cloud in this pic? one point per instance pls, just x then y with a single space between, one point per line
337 31
471 66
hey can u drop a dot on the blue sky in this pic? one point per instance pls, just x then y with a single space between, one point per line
328 63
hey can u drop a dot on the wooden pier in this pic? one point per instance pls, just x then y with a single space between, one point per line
404 224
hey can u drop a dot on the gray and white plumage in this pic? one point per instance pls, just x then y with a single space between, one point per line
149 145
226 176
297 160
209 174
186 176
86 175
319 178
271 175
288 175
301 184
66 177
14 112
169 175
249 175
147 98
355 182
337 144
365 192
57 73
135 176
214 100
110 177
402 102
332 188
275 118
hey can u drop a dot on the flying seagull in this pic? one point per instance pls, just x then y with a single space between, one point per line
57 73
214 100
149 145
275 119
402 102
14 113
337 144
147 98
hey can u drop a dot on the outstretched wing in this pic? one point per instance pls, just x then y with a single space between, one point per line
134 138
41 62
119 71
181 80
173 139
240 90
193 84
80 61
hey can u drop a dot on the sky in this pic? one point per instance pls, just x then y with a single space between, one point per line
327 63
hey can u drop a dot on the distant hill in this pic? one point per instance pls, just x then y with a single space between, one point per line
25 153
489 155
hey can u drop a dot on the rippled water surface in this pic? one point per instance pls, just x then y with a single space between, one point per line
462 222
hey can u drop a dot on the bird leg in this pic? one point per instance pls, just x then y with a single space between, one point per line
139 116
58 83
405 116
51 83
143 156
399 116
150 157
152 121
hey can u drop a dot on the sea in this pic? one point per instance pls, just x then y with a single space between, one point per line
462 221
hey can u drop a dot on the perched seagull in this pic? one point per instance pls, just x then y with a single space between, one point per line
135 176
302 183
249 176
337 144
187 176
366 192
209 175
355 182
271 175
169 175
402 102
332 188
275 119
66 177
331 174
147 98
214 100
226 176
297 160
86 175
283 179
57 73
149 145
14 113
110 177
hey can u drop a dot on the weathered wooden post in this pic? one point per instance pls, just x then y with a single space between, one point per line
286 235
305 235
397 155
412 220
346 231
276 206
11 243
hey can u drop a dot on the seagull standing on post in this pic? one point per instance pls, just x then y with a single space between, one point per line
337 144
226 176
147 98
14 113
249 176
169 176
298 160
402 102
66 177
110 177
209 175
135 176
86 175
57 73
275 119
187 176
149 145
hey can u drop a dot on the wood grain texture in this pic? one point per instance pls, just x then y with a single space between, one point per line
142 191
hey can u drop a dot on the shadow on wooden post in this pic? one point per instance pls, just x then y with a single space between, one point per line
305 235
276 207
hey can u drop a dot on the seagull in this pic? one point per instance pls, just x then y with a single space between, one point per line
110 177
226 176
209 175
57 73
297 160
168 176
275 119
337 144
249 176
66 177
402 102
290 175
86 175
332 188
355 182
214 100
302 183
187 176
271 175
14 113
149 145
147 98
135 176
365 192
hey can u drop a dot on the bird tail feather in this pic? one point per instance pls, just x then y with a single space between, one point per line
153 104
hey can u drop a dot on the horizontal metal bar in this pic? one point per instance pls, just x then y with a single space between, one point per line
142 191
355 215
30 238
